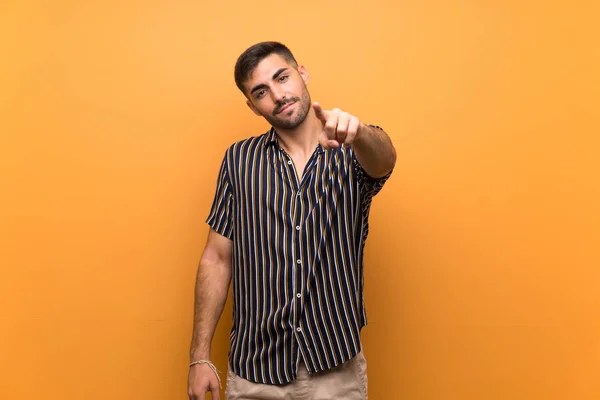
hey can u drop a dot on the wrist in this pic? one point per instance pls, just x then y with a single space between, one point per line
210 365
199 355
198 362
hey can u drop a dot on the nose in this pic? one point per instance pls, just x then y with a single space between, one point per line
277 94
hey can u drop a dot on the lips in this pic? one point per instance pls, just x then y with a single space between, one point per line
286 107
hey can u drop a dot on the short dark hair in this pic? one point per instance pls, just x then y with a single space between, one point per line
250 58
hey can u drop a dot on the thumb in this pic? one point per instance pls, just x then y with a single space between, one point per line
320 113
216 394
215 390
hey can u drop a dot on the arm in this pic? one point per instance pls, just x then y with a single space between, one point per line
374 151
372 146
212 285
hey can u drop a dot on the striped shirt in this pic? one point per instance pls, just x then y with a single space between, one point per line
297 266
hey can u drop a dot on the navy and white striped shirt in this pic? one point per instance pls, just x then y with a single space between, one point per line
297 267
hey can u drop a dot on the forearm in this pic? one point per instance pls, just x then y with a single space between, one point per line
212 285
374 151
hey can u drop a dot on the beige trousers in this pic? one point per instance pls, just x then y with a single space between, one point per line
347 381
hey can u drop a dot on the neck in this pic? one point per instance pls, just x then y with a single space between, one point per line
303 139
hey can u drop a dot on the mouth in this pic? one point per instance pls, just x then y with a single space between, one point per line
286 107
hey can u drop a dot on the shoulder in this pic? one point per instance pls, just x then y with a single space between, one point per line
247 146
241 152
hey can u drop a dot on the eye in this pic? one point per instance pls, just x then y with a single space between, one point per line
283 78
260 94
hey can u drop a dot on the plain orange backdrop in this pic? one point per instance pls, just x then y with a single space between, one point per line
482 267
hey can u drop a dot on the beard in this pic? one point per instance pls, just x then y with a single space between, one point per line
282 122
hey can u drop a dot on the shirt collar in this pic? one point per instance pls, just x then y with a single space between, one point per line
271 139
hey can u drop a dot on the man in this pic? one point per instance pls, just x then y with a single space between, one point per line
289 223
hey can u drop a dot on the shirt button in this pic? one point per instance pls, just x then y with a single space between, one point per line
290 162
298 262
299 329
298 295
297 228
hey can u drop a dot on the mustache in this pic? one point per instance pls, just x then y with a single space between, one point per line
281 104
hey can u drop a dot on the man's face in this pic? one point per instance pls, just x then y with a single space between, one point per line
277 91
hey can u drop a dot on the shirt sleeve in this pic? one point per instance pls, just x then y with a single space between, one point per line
368 185
220 217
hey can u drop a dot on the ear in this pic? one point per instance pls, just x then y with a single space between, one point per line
254 110
304 74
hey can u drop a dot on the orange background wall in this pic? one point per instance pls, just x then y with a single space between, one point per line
482 268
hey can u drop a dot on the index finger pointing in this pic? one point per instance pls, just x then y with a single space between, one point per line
320 113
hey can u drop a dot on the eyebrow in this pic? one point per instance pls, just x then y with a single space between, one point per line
262 85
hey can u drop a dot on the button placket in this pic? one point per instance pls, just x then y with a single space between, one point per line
299 262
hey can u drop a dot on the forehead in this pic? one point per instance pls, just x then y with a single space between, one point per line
266 68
